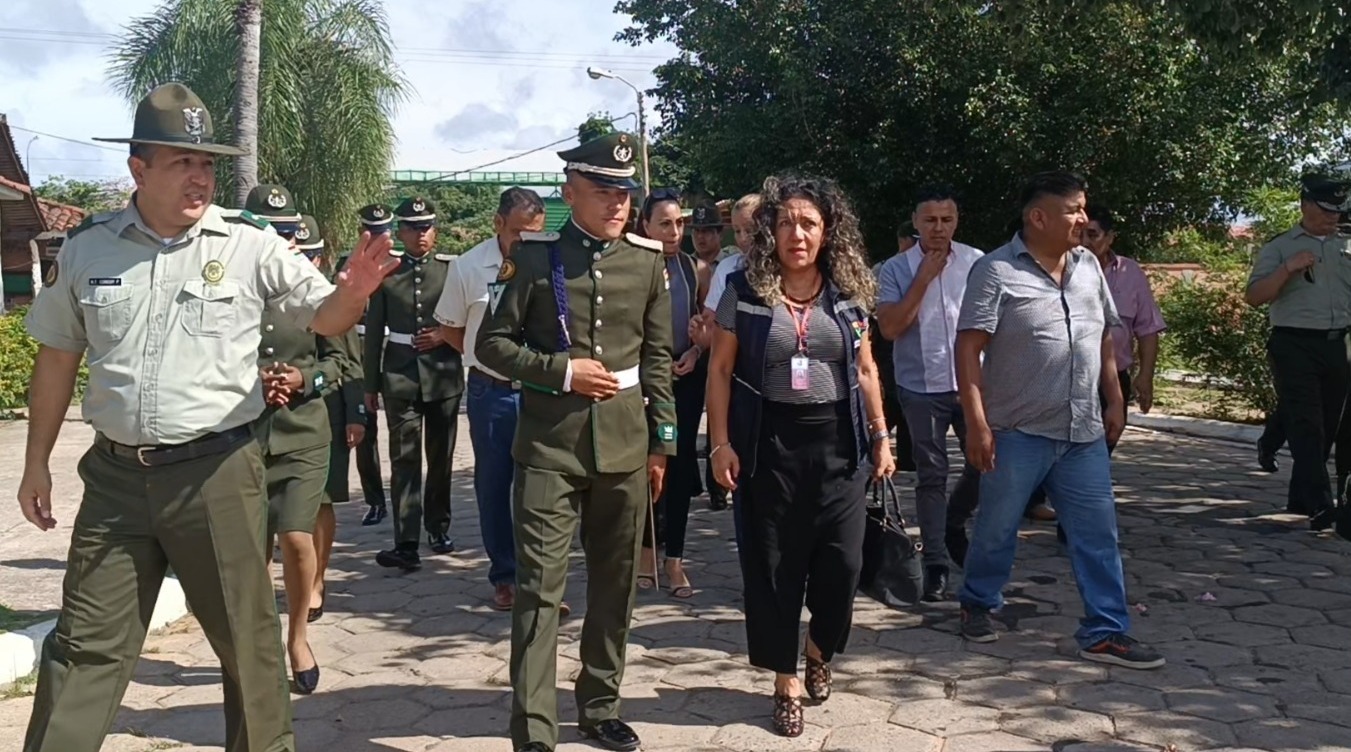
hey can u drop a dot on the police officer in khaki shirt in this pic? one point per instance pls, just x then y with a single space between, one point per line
1305 275
408 363
166 297
583 321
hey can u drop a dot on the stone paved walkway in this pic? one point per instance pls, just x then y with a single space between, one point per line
1252 611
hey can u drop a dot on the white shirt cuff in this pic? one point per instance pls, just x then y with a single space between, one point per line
567 379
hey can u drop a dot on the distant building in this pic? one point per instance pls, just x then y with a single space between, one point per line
31 228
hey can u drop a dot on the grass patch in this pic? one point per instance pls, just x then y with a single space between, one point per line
11 620
1200 401
22 687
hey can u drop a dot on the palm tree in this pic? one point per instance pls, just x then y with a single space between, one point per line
248 65
326 92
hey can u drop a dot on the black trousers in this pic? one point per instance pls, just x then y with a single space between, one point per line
1310 372
682 470
413 424
891 404
368 463
802 533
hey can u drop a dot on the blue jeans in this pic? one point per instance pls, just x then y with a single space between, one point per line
492 411
1078 476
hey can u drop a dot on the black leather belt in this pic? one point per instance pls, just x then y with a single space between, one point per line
169 454
489 377
1295 331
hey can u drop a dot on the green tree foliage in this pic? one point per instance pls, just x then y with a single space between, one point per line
94 196
329 87
886 96
17 353
464 213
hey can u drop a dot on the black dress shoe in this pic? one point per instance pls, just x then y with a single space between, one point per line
399 558
374 515
1266 459
935 584
1323 520
535 747
612 734
441 544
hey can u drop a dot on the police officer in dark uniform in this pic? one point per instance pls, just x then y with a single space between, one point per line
376 219
408 362
582 319
1305 275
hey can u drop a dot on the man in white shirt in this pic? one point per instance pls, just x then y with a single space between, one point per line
920 299
473 286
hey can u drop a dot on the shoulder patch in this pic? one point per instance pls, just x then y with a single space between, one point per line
244 217
642 242
539 237
444 256
90 221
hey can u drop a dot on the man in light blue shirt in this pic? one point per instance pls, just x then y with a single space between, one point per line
920 299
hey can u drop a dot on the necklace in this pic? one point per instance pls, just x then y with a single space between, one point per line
802 301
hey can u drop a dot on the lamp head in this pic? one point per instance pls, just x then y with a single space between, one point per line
598 73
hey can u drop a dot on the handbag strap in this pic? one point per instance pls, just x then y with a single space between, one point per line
884 491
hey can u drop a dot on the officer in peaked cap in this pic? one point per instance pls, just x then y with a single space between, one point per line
274 204
308 240
1305 274
582 319
420 377
175 475
377 219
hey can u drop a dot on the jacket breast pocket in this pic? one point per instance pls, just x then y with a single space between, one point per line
109 309
209 310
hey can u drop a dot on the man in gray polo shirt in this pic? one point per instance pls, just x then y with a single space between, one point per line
1040 311
1305 276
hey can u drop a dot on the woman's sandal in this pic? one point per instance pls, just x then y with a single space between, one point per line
646 581
817 679
788 716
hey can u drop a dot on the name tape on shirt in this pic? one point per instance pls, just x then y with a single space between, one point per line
105 281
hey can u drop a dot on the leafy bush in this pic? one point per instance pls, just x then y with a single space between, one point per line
17 353
1213 333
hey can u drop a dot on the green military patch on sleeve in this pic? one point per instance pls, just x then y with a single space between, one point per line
89 221
248 218
318 381
666 432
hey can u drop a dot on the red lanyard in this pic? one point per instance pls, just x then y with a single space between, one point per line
800 324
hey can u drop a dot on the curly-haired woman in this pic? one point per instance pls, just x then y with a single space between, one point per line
795 416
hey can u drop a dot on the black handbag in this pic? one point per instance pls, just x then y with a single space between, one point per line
891 572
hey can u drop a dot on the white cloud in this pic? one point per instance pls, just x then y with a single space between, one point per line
491 80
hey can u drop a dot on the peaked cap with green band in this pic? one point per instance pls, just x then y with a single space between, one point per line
171 115
273 203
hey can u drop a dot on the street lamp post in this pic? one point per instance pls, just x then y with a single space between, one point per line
27 155
599 73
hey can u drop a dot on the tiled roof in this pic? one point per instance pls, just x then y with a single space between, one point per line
60 217
16 185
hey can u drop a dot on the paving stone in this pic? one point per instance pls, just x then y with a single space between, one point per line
1053 724
1110 698
1059 671
920 641
1304 657
905 689
946 718
1172 676
1005 692
1222 704
381 714
1290 733
1243 634
1284 684
880 737
755 738
991 742
959 665
1164 728
724 706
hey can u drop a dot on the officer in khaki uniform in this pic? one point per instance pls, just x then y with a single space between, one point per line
376 219
166 298
409 364
582 319
297 372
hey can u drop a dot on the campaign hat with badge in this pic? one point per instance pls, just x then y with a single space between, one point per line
308 239
376 219
172 115
706 216
416 212
275 204
1330 195
607 160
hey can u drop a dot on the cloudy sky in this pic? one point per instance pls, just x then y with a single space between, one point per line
491 79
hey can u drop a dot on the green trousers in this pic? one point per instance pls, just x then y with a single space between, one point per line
411 425
547 506
206 519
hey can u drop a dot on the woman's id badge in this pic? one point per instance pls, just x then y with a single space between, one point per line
800 377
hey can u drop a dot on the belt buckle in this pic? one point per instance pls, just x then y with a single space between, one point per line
140 455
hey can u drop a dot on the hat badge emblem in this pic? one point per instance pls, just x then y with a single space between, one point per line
378 213
623 153
276 200
193 123
418 206
303 234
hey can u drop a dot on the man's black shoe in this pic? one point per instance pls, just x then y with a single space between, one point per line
1323 520
935 584
977 625
375 514
1266 459
612 734
399 558
717 499
535 747
441 544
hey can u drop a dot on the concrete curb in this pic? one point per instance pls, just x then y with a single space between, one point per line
19 650
1200 428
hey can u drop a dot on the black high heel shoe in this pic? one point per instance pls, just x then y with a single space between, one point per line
308 680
